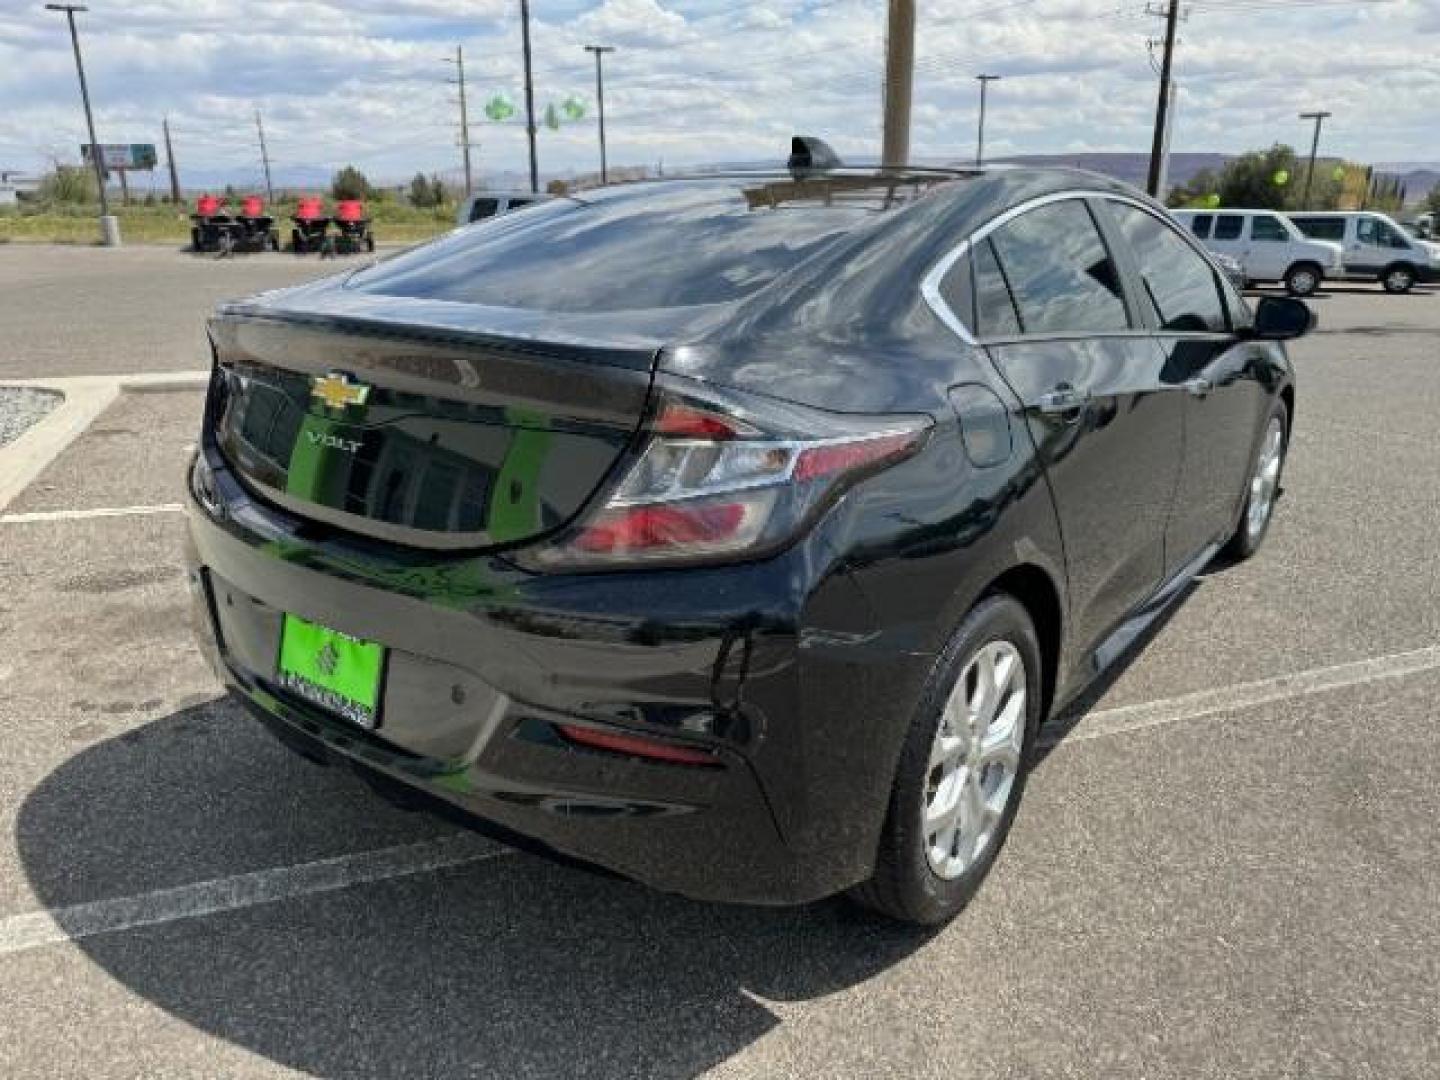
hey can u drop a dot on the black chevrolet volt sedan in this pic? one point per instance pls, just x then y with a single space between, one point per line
736 533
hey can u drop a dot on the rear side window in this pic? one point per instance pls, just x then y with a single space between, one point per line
654 246
1265 227
1321 228
1200 225
1229 227
483 208
1059 271
1179 283
995 314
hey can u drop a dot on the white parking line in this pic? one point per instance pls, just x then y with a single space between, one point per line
36 929
1153 714
98 512
33 930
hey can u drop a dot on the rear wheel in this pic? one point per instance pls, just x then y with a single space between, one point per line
1264 487
1303 279
1398 279
962 768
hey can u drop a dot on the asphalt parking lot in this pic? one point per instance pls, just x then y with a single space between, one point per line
1224 867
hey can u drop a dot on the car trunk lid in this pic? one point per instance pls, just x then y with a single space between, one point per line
421 424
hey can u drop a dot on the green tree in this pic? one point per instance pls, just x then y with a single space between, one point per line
1197 191
1432 201
350 183
1261 179
422 194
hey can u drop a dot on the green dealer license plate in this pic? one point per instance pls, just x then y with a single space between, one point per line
330 669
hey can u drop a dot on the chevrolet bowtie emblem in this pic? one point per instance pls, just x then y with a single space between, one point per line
338 390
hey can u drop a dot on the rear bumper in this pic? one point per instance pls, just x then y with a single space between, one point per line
774 667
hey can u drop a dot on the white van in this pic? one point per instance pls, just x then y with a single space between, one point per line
1267 244
1375 247
488 204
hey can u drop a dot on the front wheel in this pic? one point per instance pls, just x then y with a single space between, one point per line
1264 487
1398 279
961 770
1303 279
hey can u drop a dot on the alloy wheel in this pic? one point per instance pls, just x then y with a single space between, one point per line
1303 283
975 759
1266 479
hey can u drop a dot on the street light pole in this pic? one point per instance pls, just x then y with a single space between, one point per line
599 51
985 81
459 62
1319 118
105 227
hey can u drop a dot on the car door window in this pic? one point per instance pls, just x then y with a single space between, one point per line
1229 227
1059 271
1200 225
1365 231
1265 227
995 312
1179 283
1388 237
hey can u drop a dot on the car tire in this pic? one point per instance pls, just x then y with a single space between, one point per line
1398 279
955 756
1263 487
1303 279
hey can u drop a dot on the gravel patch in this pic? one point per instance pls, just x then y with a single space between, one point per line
20 407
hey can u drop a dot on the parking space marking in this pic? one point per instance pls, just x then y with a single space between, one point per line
98 512
36 929
1152 714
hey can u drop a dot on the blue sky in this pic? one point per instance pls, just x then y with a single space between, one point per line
362 80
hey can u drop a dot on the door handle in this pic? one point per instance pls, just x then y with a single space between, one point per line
1198 387
1064 400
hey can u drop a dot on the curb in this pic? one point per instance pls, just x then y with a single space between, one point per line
86 397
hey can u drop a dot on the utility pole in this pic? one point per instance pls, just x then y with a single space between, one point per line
899 82
170 160
1319 118
109 226
529 94
264 158
600 51
459 63
985 81
1162 105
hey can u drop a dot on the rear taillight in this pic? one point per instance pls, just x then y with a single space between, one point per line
726 478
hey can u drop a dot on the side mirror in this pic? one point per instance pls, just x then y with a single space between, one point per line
1282 318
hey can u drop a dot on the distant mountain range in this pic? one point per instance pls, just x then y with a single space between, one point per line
1418 177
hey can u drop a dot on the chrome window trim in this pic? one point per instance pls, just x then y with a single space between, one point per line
930 284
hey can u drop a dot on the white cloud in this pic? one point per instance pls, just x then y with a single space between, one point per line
706 80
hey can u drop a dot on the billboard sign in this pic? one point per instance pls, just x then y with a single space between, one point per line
123 155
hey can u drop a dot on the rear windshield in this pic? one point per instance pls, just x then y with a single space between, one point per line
650 246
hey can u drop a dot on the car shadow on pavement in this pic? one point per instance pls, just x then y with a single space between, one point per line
508 967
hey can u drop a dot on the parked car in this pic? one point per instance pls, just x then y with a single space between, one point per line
733 533
1268 245
488 204
1375 247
